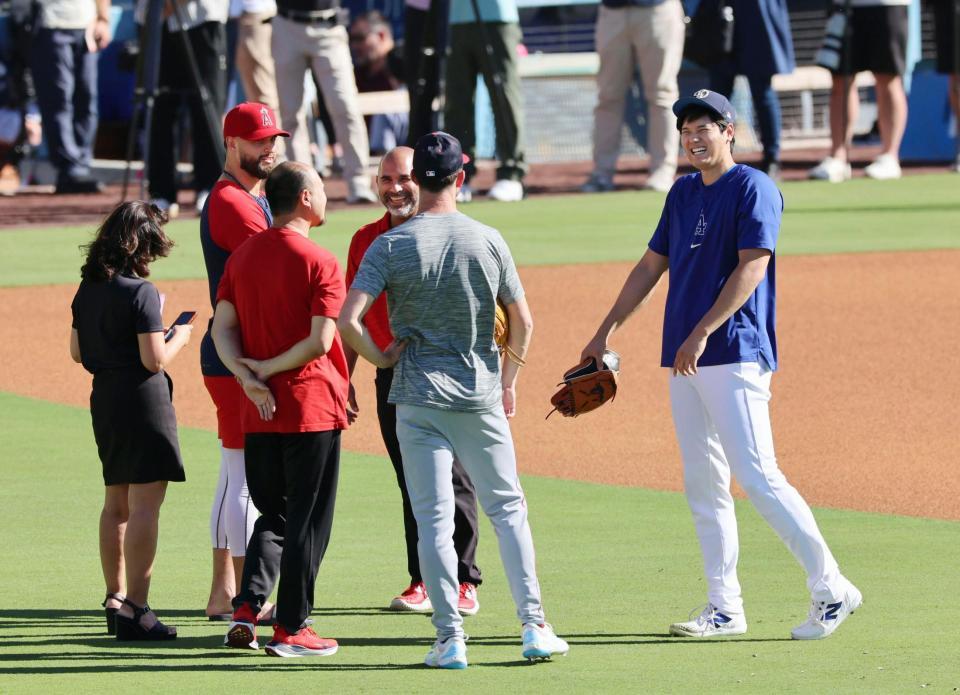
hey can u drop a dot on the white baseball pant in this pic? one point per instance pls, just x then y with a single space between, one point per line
722 421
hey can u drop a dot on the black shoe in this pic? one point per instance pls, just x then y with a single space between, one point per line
78 185
130 629
111 613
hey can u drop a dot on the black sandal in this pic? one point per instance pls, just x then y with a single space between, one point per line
130 629
111 612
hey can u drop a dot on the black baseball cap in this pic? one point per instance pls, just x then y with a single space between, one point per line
437 155
714 102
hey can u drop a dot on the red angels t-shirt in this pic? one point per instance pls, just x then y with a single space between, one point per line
277 281
234 215
377 319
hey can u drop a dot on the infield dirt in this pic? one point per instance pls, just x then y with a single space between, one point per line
861 406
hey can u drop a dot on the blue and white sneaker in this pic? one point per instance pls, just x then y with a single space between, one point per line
711 623
451 653
825 616
540 642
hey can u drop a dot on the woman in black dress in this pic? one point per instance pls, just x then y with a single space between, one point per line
118 335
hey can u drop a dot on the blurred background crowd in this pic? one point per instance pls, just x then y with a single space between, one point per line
517 81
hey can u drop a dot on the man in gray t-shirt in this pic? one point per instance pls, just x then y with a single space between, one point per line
443 273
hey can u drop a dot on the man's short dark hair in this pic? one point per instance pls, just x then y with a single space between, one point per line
284 185
435 185
693 113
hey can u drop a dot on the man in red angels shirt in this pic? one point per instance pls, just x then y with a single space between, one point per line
278 336
400 196
235 210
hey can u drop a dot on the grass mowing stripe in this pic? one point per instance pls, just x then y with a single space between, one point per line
917 212
617 565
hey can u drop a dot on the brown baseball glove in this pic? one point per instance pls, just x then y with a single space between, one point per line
585 387
501 327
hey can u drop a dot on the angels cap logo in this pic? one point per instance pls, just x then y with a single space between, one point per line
702 94
267 122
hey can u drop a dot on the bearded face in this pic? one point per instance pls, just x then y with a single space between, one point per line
258 157
399 201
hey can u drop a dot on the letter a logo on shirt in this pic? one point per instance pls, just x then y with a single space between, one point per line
265 117
699 232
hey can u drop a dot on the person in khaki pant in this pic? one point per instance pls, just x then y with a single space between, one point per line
254 60
316 39
637 33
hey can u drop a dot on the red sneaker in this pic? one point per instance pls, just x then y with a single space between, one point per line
414 598
468 604
304 642
242 633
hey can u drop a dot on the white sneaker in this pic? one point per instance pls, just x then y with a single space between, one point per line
832 170
506 191
661 180
465 193
597 183
825 616
884 168
540 642
711 623
449 654
172 209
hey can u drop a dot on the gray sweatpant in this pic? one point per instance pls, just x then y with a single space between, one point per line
429 440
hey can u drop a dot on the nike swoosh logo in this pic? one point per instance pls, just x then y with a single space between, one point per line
693 246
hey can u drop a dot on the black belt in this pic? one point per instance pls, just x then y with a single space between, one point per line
327 18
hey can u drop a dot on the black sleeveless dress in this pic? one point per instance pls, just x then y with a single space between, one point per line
134 423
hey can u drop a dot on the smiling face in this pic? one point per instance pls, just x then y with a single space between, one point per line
398 192
707 143
257 157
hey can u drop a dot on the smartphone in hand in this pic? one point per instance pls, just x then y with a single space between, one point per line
185 317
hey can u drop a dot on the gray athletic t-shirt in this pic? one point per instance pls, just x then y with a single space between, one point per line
442 275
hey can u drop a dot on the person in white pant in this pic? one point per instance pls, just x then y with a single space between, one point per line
443 273
311 34
631 34
716 237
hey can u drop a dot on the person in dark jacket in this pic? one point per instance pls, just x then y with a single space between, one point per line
118 336
762 48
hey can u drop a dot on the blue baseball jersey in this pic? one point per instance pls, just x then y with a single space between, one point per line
702 230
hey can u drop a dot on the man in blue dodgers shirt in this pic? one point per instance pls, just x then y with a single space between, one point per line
716 236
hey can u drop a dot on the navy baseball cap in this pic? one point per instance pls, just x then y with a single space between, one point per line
437 155
713 102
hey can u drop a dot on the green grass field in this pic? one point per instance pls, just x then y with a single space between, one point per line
617 565
918 212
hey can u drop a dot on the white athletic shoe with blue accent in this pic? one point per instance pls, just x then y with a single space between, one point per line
711 623
540 642
825 616
451 653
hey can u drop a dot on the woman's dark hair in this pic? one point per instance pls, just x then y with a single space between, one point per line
128 241
692 113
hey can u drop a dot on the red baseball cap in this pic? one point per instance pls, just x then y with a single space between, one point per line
252 121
